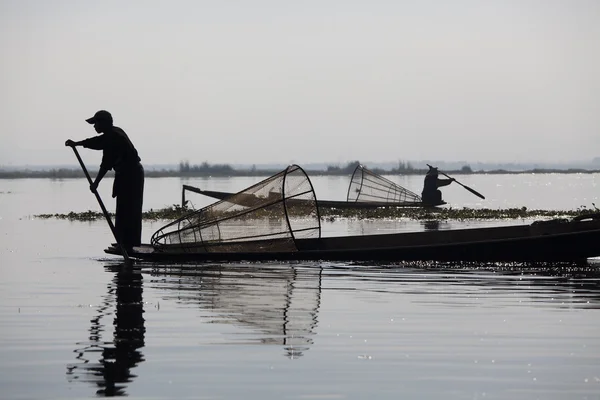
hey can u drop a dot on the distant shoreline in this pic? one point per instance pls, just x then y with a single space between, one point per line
64 173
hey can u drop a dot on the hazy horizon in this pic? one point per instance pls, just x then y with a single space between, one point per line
310 82
92 165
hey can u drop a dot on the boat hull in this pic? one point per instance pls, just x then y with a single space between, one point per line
549 241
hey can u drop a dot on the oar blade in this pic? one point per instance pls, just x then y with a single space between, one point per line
475 192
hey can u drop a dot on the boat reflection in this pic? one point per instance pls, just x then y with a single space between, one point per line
559 286
431 225
280 302
117 357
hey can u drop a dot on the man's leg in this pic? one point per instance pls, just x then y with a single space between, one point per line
137 202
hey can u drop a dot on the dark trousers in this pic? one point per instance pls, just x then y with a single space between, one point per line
432 197
129 190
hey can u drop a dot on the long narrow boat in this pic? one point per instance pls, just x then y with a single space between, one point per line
550 241
367 190
278 219
340 204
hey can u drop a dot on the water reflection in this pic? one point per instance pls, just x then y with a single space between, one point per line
544 285
118 357
433 225
280 302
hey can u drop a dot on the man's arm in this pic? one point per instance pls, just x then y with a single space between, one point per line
101 173
94 143
444 182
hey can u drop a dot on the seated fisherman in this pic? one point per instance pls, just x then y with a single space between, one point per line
431 195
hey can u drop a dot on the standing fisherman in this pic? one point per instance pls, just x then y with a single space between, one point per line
118 153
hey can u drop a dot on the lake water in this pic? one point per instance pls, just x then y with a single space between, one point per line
75 326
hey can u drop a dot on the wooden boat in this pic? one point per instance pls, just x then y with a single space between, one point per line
557 240
344 205
278 219
367 190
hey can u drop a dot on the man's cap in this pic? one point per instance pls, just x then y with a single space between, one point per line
102 115
432 170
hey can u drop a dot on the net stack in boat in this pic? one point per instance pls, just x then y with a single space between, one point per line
367 186
267 216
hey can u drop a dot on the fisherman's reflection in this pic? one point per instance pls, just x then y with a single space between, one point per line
113 370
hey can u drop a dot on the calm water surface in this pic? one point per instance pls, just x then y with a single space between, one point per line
74 325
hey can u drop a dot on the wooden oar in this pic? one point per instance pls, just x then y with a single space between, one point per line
110 223
475 192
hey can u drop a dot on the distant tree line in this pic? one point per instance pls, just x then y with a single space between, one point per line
205 170
348 169
403 168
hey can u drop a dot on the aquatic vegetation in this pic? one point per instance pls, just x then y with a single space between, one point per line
450 213
167 213
330 214
74 216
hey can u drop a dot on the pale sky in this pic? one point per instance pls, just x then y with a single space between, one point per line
263 81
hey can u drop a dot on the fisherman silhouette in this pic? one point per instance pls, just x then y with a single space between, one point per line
120 155
431 195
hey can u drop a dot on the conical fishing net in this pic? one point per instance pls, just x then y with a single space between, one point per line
268 216
367 186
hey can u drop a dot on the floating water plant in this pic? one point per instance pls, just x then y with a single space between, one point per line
176 211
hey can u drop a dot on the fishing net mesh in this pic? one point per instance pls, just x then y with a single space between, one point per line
268 216
366 186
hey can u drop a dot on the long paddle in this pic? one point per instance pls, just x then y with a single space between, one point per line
475 192
110 223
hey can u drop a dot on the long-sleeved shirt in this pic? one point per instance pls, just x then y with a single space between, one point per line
432 183
118 151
